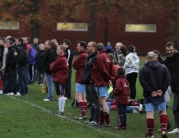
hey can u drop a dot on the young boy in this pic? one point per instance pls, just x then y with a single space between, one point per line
60 70
121 90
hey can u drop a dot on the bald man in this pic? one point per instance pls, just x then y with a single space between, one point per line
155 79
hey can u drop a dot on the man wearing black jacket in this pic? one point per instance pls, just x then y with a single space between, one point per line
172 63
11 60
50 56
154 79
22 68
69 56
91 94
1 51
1 58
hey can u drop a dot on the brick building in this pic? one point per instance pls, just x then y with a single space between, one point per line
149 35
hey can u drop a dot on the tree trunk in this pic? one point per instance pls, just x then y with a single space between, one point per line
106 28
92 24
35 25
35 29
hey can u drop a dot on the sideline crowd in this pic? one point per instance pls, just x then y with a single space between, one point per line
100 72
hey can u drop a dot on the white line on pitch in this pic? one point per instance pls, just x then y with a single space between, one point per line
65 117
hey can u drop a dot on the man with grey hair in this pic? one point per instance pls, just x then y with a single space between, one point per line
102 74
120 53
155 79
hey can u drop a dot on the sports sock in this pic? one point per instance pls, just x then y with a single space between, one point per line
101 117
85 107
106 118
82 108
62 104
150 126
163 122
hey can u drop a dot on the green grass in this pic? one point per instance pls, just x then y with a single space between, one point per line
30 117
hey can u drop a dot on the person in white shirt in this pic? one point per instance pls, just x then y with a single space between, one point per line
131 66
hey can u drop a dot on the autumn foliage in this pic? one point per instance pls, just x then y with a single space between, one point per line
37 13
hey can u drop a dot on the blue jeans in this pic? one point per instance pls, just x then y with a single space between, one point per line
49 82
22 80
27 75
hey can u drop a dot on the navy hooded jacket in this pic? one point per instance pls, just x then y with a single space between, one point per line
154 76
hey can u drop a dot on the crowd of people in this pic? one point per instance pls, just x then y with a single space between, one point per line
98 68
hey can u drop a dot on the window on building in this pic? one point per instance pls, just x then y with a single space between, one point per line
140 28
9 25
72 26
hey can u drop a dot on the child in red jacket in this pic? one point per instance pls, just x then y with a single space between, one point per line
121 90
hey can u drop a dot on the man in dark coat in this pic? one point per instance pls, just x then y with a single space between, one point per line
11 60
49 57
91 94
172 63
155 79
69 56
22 68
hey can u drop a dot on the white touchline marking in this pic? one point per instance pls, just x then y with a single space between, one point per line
65 117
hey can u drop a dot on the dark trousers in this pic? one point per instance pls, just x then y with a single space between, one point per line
22 80
68 85
40 77
176 109
131 78
92 99
32 73
59 88
6 89
12 80
122 117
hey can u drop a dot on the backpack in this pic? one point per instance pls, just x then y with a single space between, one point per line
32 55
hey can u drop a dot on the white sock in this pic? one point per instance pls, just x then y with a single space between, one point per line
61 103
58 104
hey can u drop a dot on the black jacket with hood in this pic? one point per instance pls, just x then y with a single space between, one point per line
154 76
172 63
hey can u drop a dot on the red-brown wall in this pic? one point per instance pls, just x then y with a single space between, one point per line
15 33
144 42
